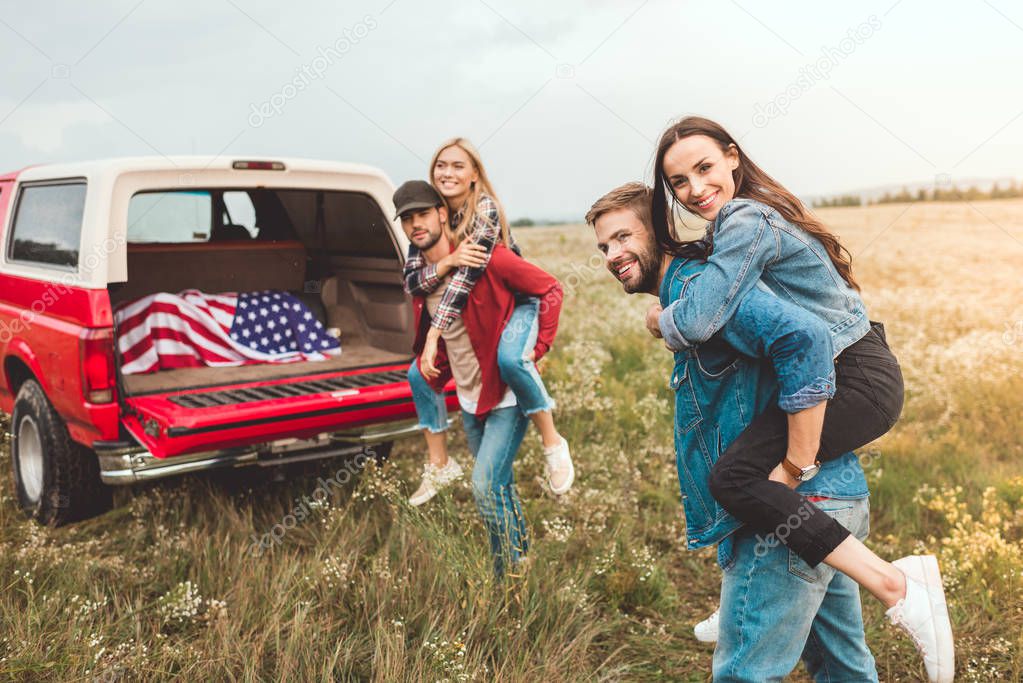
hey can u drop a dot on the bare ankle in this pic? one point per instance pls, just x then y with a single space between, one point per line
551 441
893 586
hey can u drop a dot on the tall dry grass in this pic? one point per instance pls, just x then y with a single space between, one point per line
369 589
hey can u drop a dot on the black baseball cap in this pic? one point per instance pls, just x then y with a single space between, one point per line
415 194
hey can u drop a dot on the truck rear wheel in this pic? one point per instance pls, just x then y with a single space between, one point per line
56 479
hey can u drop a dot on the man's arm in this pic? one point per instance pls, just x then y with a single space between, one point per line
440 373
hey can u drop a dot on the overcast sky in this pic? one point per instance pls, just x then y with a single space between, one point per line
566 99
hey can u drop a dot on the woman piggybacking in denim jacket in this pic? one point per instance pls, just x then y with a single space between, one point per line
761 233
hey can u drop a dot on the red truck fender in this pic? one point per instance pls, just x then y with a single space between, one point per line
19 348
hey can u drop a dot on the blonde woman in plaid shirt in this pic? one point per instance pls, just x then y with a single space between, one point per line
477 224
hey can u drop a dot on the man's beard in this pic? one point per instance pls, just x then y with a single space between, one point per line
432 239
648 263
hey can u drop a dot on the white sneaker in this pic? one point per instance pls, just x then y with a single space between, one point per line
707 630
923 614
447 474
427 489
434 479
560 471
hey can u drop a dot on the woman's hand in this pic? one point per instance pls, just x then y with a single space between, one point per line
468 254
653 316
429 355
781 475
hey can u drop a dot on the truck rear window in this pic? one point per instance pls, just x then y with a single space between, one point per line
47 225
338 222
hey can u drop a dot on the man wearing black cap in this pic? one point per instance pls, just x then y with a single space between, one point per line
440 470
494 423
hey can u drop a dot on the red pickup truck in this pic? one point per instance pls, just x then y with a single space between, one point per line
81 238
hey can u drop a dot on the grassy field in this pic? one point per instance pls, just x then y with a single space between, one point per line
366 588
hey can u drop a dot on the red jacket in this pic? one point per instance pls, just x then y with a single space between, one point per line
490 305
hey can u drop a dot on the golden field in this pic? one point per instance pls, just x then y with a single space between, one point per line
368 589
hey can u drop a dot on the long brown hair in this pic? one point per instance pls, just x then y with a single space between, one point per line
751 182
481 186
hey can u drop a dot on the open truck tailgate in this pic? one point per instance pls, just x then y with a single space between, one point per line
211 418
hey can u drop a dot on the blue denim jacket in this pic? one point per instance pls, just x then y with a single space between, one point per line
752 243
720 386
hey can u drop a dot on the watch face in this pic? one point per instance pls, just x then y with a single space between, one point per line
810 472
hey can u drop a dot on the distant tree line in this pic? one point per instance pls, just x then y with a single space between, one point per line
840 200
529 222
938 194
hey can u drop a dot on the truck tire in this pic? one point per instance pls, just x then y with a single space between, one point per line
56 479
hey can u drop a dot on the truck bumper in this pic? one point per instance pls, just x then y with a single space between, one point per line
128 462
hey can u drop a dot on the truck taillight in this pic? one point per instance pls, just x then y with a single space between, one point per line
97 362
258 166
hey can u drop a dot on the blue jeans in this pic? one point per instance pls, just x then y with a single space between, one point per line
430 406
775 609
517 341
494 441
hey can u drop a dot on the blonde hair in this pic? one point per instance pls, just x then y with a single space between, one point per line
480 187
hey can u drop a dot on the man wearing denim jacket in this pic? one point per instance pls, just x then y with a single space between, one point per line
774 607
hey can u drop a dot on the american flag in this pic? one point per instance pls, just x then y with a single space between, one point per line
194 329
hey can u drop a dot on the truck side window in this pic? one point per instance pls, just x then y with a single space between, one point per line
350 223
356 225
239 211
47 225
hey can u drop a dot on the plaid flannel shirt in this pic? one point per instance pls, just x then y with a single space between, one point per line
421 277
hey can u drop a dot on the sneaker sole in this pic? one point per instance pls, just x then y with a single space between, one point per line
924 568
417 502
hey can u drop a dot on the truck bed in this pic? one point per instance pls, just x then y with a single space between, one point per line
353 355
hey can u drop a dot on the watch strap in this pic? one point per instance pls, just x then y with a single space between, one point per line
795 470
790 467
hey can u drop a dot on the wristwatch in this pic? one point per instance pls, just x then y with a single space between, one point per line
801 473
